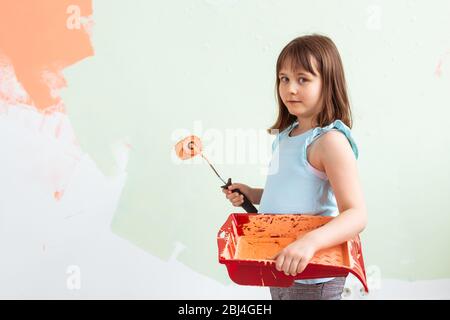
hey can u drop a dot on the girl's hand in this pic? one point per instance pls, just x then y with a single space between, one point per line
293 259
235 198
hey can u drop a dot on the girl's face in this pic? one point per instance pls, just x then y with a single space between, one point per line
300 91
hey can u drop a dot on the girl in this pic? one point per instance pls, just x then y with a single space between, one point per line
314 169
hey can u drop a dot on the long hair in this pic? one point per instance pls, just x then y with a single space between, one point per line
335 102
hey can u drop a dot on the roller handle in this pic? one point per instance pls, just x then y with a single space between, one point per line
247 205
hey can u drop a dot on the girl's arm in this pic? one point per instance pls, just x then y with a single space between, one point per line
256 195
338 160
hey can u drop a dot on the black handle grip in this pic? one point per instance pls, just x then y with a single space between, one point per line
247 205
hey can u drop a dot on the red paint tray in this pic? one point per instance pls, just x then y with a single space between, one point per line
248 241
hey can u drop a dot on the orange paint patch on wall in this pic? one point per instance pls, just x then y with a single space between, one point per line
40 38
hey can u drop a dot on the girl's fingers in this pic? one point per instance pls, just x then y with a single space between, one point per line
286 265
233 196
301 266
238 200
279 262
294 266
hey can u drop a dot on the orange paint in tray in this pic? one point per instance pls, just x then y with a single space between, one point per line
246 243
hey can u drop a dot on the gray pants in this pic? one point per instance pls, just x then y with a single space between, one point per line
331 290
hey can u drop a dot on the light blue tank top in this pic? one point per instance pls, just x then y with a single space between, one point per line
293 185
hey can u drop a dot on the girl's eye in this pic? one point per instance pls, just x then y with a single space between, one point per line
300 80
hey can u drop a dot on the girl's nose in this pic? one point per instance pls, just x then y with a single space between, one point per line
293 88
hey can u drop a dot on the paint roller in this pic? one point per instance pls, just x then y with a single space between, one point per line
191 146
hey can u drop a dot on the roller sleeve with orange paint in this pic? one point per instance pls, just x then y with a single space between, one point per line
189 147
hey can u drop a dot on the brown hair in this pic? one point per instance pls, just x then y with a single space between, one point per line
335 103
